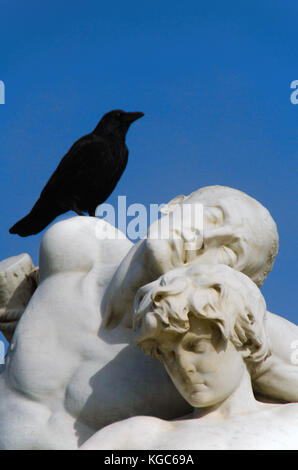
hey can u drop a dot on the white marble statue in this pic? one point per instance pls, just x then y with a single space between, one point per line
72 366
206 325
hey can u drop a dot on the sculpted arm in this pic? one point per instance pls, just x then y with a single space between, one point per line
62 251
49 345
277 376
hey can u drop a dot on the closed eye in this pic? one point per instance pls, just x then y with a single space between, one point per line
214 215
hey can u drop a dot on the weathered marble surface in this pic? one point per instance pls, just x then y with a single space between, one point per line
73 367
206 325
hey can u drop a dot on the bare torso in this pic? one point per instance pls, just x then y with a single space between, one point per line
270 427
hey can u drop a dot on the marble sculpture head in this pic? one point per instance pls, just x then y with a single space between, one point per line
237 231
206 325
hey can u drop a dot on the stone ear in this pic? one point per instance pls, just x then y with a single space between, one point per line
217 287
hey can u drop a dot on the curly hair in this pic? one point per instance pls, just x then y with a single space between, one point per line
215 292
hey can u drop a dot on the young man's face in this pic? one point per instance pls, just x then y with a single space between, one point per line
205 369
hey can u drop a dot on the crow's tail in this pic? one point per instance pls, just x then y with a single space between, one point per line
39 217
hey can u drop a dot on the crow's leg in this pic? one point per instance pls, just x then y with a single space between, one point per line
91 212
76 209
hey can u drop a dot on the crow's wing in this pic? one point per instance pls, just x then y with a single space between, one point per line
89 159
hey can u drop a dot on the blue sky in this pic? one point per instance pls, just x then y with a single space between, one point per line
213 79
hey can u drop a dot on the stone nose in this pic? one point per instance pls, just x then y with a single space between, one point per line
186 367
192 237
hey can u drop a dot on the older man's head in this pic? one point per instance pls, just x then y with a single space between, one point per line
235 230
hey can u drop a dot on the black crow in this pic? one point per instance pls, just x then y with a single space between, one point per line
86 175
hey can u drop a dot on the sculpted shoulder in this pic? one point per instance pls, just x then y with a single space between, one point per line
77 244
140 432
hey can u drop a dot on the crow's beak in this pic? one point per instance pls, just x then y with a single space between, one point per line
131 117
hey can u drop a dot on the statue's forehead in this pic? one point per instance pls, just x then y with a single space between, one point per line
228 209
218 199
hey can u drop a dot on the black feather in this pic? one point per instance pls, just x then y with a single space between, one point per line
86 175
